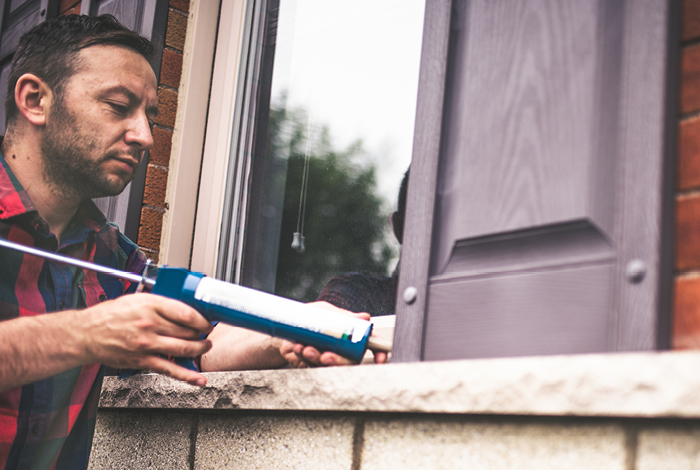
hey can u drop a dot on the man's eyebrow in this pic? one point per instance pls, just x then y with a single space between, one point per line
131 96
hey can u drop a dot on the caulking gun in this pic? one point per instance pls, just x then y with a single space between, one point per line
247 308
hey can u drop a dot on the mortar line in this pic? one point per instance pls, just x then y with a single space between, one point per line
358 442
631 444
194 431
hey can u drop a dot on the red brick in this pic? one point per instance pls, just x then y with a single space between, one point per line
150 229
688 233
686 313
690 79
156 183
67 7
176 31
691 19
689 154
183 5
167 107
162 146
171 69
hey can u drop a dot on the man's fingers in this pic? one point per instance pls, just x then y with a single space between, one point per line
180 348
292 353
177 331
165 367
380 357
333 359
180 313
316 358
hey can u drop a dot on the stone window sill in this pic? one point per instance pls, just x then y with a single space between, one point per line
649 385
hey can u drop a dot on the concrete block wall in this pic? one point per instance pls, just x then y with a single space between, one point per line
318 441
610 411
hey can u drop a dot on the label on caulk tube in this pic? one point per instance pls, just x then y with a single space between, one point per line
280 310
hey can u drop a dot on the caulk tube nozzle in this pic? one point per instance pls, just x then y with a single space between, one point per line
379 344
267 313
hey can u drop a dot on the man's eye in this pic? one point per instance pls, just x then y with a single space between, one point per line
120 108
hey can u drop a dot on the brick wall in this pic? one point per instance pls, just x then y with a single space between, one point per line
68 7
686 332
154 204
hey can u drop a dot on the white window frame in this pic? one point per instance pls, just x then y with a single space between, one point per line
220 222
202 135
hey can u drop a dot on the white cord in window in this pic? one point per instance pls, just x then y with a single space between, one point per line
298 239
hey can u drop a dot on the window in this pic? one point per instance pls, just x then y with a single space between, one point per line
332 106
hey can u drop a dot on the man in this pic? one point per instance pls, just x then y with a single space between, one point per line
80 105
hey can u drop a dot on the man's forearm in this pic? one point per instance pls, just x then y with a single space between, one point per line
37 347
240 349
134 331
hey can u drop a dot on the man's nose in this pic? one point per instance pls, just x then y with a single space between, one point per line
139 132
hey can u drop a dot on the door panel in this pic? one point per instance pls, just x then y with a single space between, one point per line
505 319
524 143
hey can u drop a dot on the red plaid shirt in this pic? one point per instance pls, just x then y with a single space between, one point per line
49 424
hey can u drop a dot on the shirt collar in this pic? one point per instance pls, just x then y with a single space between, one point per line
14 200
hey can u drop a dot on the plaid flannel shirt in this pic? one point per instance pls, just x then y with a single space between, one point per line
49 424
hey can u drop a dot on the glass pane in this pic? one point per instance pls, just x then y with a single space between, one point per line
334 133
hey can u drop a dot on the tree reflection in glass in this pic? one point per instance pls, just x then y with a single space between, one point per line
342 99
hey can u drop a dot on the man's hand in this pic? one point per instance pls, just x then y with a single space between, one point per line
299 355
135 331
240 349
130 332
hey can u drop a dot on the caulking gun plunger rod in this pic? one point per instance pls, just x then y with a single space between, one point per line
77 262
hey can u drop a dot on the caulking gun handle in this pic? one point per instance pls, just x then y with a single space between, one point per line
169 284
187 363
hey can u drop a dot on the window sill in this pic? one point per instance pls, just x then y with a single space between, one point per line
649 384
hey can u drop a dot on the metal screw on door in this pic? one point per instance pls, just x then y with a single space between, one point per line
635 271
410 295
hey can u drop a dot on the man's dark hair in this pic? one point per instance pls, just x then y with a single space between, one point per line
50 51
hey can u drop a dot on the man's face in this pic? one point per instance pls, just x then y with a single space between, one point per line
98 129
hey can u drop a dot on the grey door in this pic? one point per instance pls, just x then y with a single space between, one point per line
538 217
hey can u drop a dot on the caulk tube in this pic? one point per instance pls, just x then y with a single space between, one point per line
266 313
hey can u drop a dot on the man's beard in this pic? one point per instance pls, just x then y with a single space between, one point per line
68 167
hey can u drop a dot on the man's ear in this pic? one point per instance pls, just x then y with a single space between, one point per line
33 98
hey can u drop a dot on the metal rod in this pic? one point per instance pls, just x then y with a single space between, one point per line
76 262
